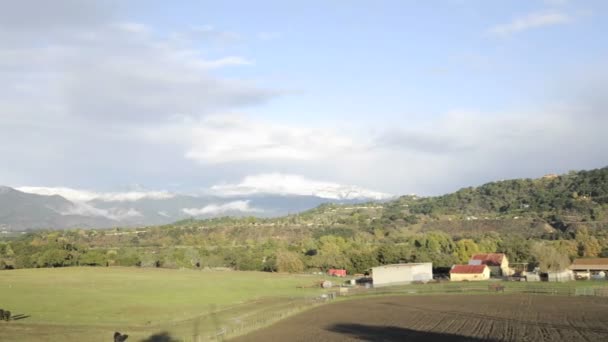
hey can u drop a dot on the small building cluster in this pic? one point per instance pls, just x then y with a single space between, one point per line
482 267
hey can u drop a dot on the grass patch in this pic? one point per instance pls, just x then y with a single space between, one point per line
86 300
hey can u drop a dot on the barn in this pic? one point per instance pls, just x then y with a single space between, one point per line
469 272
590 268
497 262
398 274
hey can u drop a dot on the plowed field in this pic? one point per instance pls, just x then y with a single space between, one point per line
447 318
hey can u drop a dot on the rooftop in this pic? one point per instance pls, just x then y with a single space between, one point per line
588 263
468 269
490 259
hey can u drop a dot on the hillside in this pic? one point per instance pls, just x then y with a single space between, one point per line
19 210
564 212
44 209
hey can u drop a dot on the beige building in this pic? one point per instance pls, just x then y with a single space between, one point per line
587 268
497 262
469 273
399 274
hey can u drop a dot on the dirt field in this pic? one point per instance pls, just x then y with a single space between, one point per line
447 318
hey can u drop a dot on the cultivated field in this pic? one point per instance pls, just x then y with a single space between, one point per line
89 304
447 318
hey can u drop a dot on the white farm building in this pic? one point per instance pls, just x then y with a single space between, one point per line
398 274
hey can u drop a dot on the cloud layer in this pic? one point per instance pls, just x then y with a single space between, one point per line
530 21
77 195
221 209
288 184
93 99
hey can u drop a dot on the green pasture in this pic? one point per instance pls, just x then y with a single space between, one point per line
145 300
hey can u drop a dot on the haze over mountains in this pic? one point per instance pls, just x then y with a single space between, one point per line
61 207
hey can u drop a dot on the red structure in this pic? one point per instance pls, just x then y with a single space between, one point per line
490 259
336 272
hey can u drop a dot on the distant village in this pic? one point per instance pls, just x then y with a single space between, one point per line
483 266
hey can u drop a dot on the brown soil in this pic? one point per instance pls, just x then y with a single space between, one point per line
447 318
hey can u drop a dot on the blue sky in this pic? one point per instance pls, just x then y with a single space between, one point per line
393 96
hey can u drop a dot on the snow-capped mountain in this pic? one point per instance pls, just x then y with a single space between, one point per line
287 184
63 207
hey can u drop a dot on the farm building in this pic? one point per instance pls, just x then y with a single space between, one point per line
497 262
560 276
336 272
469 272
590 268
397 274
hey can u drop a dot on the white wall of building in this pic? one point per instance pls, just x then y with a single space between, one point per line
401 274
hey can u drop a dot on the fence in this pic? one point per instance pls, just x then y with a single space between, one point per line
567 289
262 320
592 291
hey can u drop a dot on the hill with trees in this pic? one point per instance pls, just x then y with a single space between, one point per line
563 214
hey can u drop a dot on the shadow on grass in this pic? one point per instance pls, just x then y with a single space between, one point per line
397 334
160 337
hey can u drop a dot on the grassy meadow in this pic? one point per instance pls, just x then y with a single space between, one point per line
91 303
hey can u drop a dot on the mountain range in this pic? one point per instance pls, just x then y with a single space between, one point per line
30 208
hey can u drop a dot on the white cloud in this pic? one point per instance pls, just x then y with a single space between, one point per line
288 184
218 209
86 195
530 21
116 214
556 2
226 138
163 213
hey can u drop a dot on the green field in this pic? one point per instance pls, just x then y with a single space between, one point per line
78 304
89 304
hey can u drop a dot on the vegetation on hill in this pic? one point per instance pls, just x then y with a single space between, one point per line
564 214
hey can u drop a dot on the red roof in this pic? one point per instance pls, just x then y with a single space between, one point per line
469 269
490 259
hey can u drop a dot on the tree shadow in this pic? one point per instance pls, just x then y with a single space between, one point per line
397 334
160 337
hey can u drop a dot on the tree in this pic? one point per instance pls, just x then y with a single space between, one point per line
287 261
516 248
464 249
588 246
92 258
52 258
548 258
361 261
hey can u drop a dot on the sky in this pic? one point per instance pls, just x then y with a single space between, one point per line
398 97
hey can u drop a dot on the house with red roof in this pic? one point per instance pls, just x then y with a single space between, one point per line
497 262
469 273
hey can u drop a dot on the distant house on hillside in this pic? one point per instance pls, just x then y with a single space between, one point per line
469 273
497 262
